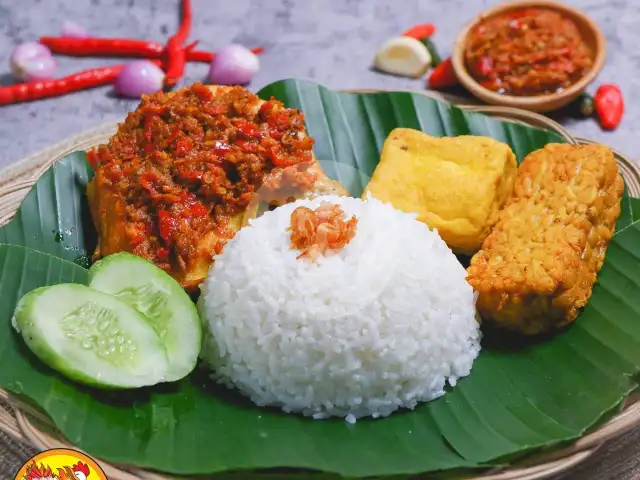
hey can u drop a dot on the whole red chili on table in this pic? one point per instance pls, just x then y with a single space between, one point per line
94 77
176 57
609 105
443 75
420 31
172 56
121 47
81 47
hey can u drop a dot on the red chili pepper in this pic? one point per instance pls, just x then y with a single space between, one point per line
148 120
207 57
176 53
248 129
147 180
162 254
202 91
53 88
83 47
276 159
198 210
166 225
272 154
214 109
524 12
92 158
95 77
176 60
420 31
609 105
114 173
150 113
176 56
185 26
121 47
484 66
187 197
281 119
492 84
190 174
183 147
246 146
278 123
174 134
220 148
136 236
560 52
443 75
267 107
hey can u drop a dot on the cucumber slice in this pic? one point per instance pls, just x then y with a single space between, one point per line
91 337
161 299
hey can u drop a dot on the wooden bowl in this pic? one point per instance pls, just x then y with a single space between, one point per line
590 32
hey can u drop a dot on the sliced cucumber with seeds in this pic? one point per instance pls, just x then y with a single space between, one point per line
161 299
91 337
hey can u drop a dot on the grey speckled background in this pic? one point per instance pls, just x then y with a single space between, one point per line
330 41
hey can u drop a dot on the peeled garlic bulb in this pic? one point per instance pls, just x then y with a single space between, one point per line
403 56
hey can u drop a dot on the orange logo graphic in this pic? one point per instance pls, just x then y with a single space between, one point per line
60 464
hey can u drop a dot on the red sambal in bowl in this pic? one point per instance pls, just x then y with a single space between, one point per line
527 52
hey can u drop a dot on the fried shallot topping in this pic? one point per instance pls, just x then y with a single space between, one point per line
316 231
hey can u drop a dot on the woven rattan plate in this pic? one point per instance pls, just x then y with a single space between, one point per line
34 429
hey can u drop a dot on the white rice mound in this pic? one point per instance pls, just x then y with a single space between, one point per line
381 324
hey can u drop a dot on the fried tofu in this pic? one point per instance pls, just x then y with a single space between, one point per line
456 185
537 268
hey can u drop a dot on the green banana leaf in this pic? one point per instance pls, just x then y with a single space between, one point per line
54 217
515 401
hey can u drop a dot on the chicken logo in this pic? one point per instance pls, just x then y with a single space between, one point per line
61 464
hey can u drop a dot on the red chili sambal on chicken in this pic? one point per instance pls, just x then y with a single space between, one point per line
172 185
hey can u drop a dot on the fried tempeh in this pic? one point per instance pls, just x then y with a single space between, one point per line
537 268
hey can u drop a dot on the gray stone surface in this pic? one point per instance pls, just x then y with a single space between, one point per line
330 41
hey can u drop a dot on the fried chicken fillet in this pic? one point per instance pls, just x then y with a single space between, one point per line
537 267
187 169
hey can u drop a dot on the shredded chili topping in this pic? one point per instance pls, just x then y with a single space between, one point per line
314 232
185 162
527 52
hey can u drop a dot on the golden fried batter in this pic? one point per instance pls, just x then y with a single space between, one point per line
537 267
455 184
